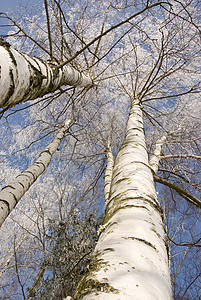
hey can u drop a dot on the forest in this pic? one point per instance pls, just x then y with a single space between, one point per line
100 125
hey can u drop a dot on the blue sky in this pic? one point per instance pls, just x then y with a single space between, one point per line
9 5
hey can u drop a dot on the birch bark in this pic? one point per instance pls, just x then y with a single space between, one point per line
155 158
130 259
24 78
11 194
108 172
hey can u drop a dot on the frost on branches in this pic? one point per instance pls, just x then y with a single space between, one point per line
12 193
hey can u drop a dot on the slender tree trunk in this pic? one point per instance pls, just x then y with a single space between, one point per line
24 78
108 172
12 193
155 158
130 259
9 259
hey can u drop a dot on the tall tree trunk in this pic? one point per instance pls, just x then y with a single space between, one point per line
108 172
155 158
24 78
130 258
12 193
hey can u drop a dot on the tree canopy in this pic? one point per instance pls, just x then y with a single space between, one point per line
122 50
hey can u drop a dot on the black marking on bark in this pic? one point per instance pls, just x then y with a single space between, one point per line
54 68
119 197
134 128
11 88
155 204
116 173
36 61
24 173
110 212
108 249
11 56
27 175
94 286
87 284
139 121
40 163
137 114
158 235
54 74
7 204
6 45
122 179
36 77
141 162
140 240
109 224
8 186
128 143
21 184
167 246
47 151
30 172
16 200
131 144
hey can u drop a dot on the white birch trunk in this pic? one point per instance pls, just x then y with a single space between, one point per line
155 158
6 264
12 193
108 172
130 259
24 78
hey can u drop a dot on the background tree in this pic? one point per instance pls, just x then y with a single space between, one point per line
155 56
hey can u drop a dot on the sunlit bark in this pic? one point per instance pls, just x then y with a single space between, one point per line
12 193
24 78
130 259
108 172
155 158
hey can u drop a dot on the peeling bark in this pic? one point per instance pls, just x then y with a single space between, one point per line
130 259
26 78
12 193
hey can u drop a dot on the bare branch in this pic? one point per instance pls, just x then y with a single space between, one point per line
48 28
182 192
110 29
180 156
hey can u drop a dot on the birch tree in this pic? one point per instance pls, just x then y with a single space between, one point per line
25 78
131 255
11 194
142 57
